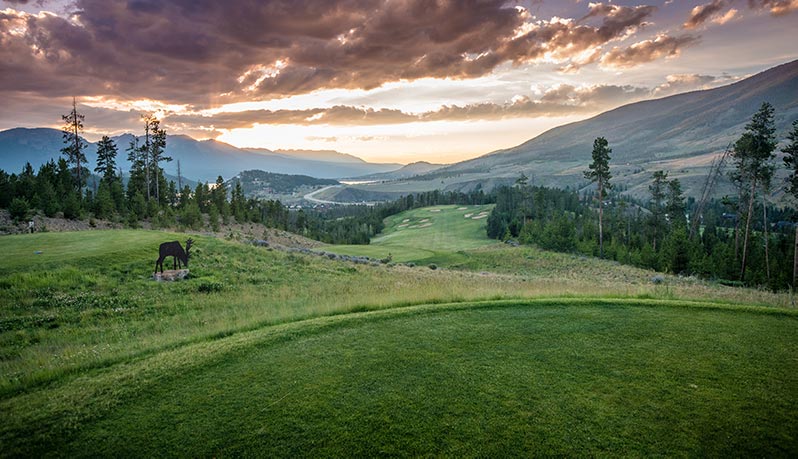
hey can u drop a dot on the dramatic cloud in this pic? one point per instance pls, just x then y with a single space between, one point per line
205 53
776 7
700 14
647 51
560 100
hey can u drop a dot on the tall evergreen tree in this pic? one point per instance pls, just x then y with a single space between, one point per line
157 153
657 189
74 144
599 173
675 205
145 151
752 156
137 182
791 161
106 159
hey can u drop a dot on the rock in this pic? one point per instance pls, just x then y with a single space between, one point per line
170 275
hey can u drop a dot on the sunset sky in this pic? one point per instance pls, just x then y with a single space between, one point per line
402 80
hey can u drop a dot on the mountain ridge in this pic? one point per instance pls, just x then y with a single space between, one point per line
201 160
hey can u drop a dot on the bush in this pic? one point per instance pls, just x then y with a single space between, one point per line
19 209
71 206
433 266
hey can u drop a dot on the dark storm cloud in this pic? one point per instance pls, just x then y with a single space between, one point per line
204 52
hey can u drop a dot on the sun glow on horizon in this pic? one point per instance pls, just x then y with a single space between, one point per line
435 142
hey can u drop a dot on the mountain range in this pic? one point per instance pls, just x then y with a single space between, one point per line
680 134
201 160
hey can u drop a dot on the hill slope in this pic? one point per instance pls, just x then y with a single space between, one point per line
256 183
680 134
410 170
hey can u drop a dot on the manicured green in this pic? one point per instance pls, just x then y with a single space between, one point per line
556 377
438 234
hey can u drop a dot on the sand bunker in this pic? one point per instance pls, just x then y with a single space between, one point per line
479 216
468 215
462 208
425 220
405 220
434 210
402 226
424 225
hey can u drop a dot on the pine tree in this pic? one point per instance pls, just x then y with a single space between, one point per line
106 159
157 153
675 204
752 156
137 182
657 189
791 161
599 173
75 145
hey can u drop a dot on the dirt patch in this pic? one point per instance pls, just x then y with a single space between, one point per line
42 223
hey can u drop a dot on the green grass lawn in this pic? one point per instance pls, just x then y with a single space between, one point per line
438 234
632 378
266 349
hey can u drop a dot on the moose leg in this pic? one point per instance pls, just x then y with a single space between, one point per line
159 262
174 263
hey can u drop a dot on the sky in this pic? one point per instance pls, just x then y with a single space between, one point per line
388 81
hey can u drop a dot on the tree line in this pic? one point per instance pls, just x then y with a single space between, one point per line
741 238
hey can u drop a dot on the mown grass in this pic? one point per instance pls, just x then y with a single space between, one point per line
436 234
559 377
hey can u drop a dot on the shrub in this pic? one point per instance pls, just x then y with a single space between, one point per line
19 209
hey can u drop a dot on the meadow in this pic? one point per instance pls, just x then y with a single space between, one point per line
500 350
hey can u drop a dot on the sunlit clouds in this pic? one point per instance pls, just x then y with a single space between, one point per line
380 79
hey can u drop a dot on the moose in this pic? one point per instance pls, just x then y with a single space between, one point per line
175 250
